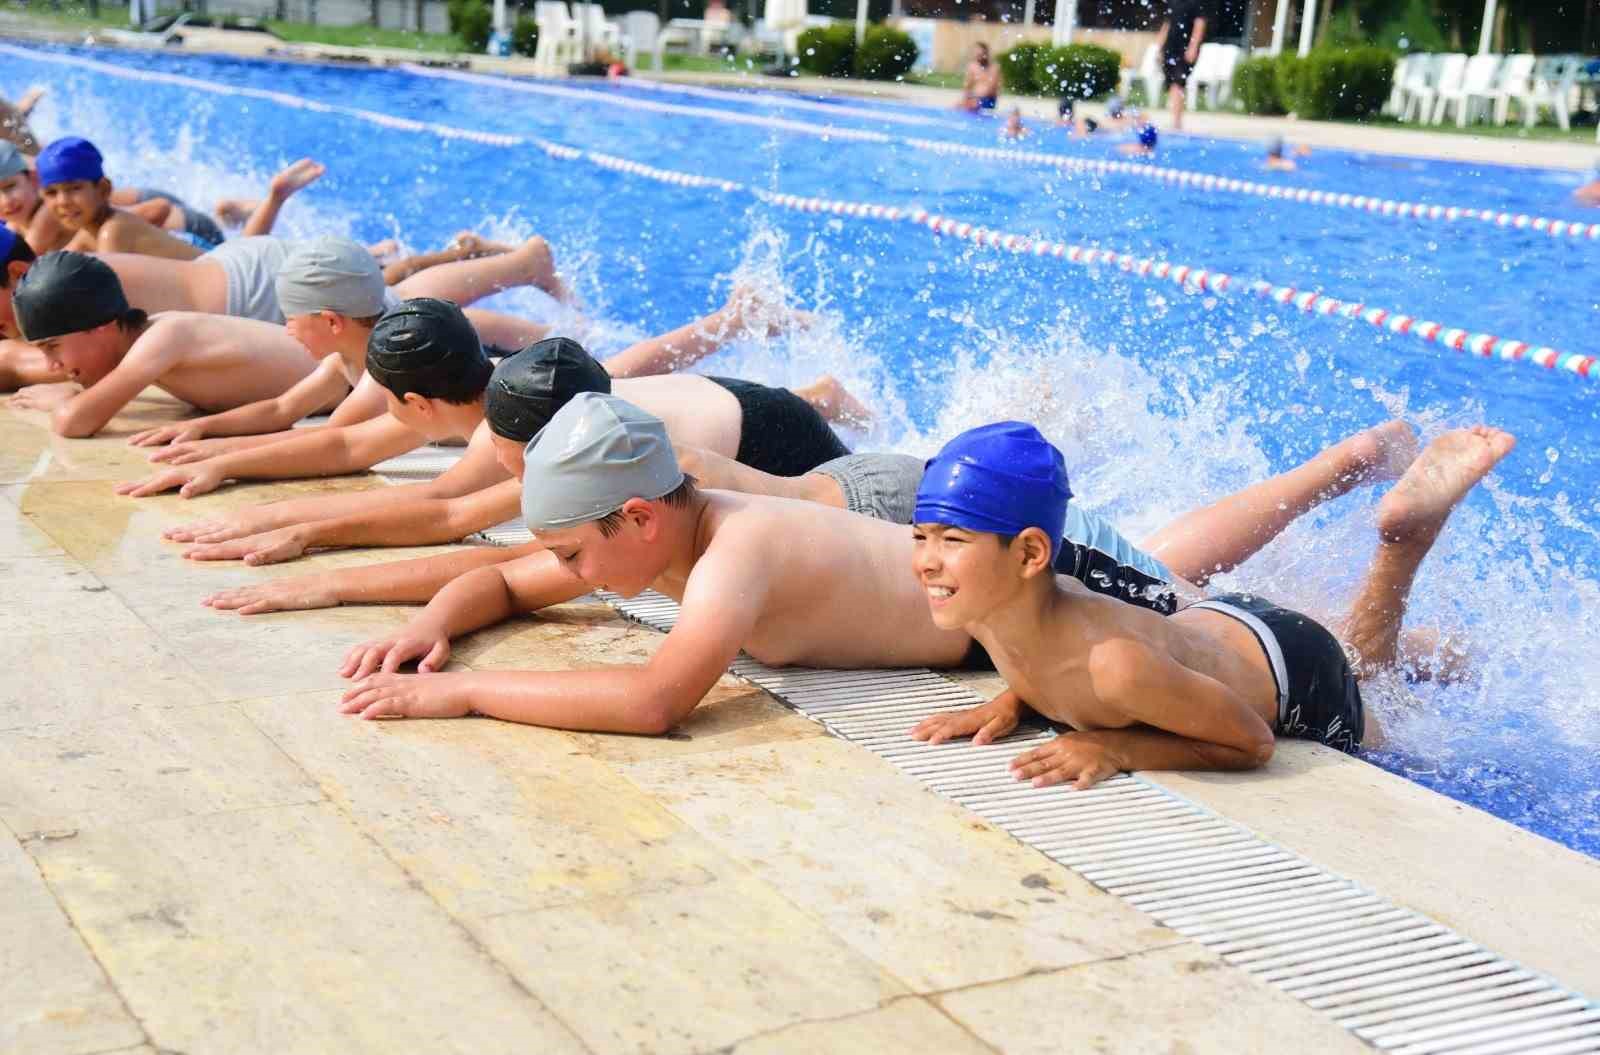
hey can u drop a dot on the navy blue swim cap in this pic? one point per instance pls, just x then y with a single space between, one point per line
1147 137
8 241
998 478
69 159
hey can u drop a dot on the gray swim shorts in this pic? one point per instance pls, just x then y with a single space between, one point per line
883 486
252 266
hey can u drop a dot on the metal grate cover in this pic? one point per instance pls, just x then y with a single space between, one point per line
1396 979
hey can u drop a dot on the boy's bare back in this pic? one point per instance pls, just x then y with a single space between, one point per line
220 362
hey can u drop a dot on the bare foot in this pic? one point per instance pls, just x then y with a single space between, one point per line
385 250
750 311
473 245
834 402
297 177
235 211
1419 504
541 271
1380 453
29 100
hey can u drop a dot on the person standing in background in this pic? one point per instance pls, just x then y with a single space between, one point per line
1179 39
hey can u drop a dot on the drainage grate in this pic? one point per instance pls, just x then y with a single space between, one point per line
1396 979
419 465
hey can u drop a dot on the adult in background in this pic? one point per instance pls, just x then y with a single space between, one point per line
980 90
1180 38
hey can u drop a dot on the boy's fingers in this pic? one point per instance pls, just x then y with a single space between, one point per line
435 657
398 654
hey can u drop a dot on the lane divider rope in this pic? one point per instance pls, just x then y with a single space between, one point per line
1482 345
1202 181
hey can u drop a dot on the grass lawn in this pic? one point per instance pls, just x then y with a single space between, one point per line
365 37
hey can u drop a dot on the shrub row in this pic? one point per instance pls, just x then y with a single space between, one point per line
1328 83
1077 71
885 53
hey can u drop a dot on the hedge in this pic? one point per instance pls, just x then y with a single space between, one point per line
472 21
1328 83
885 54
525 37
828 50
1078 71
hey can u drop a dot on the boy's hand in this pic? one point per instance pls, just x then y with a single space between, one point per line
198 450
406 696
44 397
282 595
268 547
178 432
417 638
985 724
1078 757
251 521
190 481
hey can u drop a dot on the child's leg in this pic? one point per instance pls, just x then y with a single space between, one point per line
505 331
720 473
1409 519
835 403
689 344
1223 535
465 281
285 185
465 246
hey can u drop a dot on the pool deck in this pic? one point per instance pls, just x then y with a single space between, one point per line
1538 153
201 855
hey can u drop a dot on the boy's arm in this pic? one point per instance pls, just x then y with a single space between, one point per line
476 470
1187 721
399 582
724 600
1196 38
308 395
416 522
320 452
88 412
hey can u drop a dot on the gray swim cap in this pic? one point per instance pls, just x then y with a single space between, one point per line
596 453
11 160
330 274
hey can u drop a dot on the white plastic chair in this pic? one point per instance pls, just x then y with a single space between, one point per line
1148 74
558 36
640 32
1553 80
1213 73
1421 75
1397 88
1446 77
1473 87
594 31
1516 80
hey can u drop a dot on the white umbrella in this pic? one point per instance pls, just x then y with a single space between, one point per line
1066 21
1486 34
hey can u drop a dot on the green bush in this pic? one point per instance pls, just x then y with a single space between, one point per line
525 37
885 54
1017 67
1290 78
1343 82
1077 71
1416 28
474 26
1255 85
828 50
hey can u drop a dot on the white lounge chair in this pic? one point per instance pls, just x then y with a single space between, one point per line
594 31
1148 74
1403 70
1466 95
558 36
1516 80
1552 82
1421 74
1212 78
1446 76
641 31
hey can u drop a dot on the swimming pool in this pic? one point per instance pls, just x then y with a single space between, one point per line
1163 397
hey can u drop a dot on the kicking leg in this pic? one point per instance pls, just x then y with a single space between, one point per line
465 281
465 246
505 331
835 403
746 312
1409 520
285 185
1223 535
720 473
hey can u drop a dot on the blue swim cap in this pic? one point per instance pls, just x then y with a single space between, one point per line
998 478
69 159
1147 137
8 241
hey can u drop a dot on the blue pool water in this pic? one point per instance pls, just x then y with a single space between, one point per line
1163 399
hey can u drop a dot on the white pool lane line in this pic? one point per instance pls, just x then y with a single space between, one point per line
1203 181
1481 345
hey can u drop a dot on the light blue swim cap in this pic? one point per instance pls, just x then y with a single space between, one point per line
998 478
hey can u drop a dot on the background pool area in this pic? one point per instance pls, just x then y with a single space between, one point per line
1163 398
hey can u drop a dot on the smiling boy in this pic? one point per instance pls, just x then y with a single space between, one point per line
73 182
1208 688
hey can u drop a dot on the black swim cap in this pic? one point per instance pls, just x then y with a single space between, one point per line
66 293
427 346
529 387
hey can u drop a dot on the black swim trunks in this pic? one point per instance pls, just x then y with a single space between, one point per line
1175 65
203 228
1318 696
780 433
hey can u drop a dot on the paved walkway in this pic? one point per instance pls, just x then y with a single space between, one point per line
197 853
